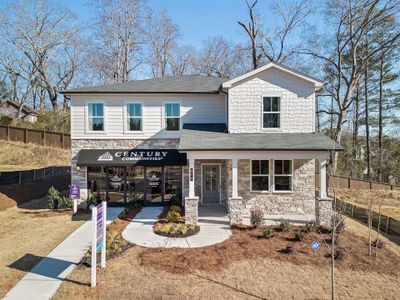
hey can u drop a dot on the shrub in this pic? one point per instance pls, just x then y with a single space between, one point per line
172 216
268 233
284 226
175 208
310 227
90 199
65 202
256 217
53 197
175 230
378 244
340 223
299 236
287 250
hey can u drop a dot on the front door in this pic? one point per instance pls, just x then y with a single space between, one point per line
211 184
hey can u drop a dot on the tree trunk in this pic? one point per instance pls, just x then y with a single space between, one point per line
41 100
380 120
368 150
356 126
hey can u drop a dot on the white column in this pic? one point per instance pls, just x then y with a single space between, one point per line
191 177
322 179
234 178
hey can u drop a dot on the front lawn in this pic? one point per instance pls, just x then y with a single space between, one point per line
247 266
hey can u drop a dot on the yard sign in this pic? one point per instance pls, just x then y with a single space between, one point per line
98 237
74 195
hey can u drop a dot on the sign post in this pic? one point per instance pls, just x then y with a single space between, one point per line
99 213
74 195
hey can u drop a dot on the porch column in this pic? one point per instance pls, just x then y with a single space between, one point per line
191 202
234 178
322 179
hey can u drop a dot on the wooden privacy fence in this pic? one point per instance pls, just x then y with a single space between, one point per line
388 225
342 182
18 177
35 136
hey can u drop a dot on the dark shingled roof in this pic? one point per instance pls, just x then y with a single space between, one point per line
171 84
205 141
213 127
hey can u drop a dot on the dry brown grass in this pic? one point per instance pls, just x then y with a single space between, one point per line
15 156
244 267
390 200
26 235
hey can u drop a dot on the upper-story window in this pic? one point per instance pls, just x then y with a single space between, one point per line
134 113
96 116
271 112
172 116
283 175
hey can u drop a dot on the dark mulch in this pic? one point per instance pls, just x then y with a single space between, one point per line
247 244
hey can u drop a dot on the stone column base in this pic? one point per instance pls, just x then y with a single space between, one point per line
323 210
191 210
236 210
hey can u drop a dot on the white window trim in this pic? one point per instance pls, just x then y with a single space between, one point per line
164 117
261 175
126 130
271 129
288 175
87 127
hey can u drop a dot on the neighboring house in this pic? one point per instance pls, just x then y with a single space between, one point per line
10 109
246 142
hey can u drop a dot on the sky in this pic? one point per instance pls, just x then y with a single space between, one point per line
197 19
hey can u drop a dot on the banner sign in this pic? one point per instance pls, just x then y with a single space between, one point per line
126 157
74 192
99 213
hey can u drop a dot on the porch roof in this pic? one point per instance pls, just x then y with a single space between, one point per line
195 140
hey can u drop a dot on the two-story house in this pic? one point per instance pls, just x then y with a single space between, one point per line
245 142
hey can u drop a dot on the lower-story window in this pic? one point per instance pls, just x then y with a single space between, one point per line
283 175
259 175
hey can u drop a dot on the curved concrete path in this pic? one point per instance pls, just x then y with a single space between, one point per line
213 222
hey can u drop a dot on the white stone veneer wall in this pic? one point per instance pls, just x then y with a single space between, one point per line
79 177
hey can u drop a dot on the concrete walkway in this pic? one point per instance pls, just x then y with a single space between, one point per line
213 221
43 281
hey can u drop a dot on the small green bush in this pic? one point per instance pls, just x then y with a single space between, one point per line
256 217
268 233
175 208
299 236
310 227
173 216
284 226
53 197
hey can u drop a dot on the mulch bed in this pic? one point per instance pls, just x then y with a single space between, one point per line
248 244
175 232
21 193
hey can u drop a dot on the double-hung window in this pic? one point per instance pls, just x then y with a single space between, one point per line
134 116
271 112
259 175
96 116
283 175
172 116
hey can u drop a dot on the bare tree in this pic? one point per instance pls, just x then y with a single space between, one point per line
345 60
252 29
182 60
118 39
43 34
161 35
289 18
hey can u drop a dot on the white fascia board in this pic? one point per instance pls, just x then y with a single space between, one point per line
228 84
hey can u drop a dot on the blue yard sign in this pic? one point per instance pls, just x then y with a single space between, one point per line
315 245
99 227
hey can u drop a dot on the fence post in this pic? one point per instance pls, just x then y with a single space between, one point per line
52 171
349 183
34 175
387 225
25 135
44 137
62 140
370 185
8 132
352 210
19 177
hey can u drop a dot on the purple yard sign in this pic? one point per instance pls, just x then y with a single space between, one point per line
99 226
74 192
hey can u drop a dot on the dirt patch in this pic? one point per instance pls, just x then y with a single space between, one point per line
17 194
27 235
390 200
